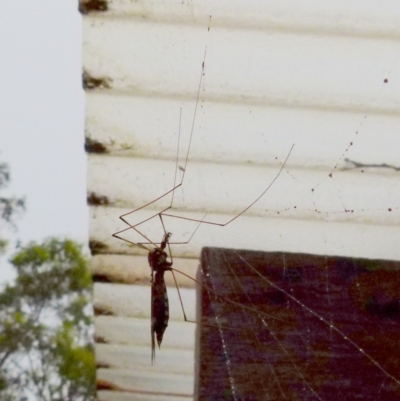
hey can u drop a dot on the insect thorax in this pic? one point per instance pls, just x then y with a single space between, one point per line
158 260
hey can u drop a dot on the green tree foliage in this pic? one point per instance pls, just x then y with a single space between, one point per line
10 207
46 346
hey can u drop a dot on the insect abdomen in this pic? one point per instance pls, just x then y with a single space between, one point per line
159 309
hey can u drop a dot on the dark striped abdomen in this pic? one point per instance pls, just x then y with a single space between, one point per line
159 309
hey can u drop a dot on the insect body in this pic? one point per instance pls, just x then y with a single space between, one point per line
159 298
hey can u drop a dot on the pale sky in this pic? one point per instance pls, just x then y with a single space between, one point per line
42 118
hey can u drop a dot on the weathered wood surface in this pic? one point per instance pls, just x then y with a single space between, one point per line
311 327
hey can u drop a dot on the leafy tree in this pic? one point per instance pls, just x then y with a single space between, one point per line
9 207
46 325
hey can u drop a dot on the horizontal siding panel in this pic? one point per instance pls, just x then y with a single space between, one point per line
136 332
147 127
334 72
226 189
125 396
270 234
138 359
340 17
134 301
130 269
160 384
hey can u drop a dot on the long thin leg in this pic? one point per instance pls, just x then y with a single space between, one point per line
122 217
177 156
195 112
238 304
202 221
246 208
183 309
143 221
139 244
188 151
150 242
180 298
196 281
183 242
176 186
191 133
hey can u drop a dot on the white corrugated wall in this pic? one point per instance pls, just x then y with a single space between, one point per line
325 77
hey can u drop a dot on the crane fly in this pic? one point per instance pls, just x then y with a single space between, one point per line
159 264
157 256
